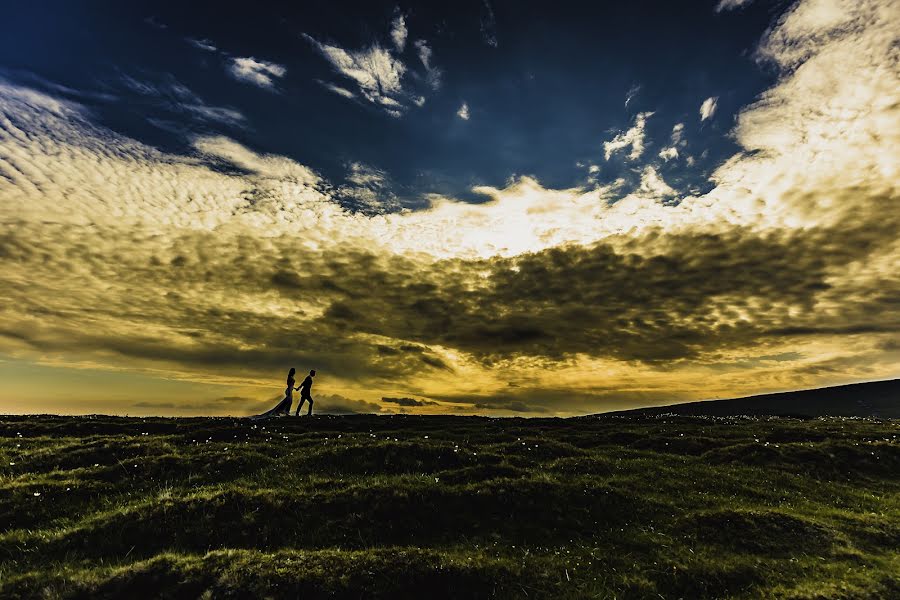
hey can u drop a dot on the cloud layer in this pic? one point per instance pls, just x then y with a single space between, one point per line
226 265
257 72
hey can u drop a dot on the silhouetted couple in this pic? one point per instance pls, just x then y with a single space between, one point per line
284 407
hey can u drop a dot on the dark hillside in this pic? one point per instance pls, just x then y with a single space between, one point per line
874 399
637 506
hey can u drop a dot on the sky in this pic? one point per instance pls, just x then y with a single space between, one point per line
483 207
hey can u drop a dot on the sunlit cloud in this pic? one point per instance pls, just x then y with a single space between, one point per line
368 190
633 139
340 91
257 72
399 32
708 108
631 94
668 153
725 5
374 70
203 44
432 73
219 263
654 185
379 71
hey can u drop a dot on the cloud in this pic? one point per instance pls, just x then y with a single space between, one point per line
654 185
170 95
247 69
677 133
504 403
514 406
335 404
340 91
631 94
155 405
708 108
269 167
654 308
154 22
633 138
489 25
424 52
364 175
229 404
408 402
399 32
432 73
463 112
375 70
731 4
203 44
222 114
148 89
222 263
668 153
379 71
257 72
514 401
368 190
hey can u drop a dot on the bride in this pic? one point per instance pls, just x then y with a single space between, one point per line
283 407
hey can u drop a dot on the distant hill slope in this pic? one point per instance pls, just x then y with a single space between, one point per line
873 399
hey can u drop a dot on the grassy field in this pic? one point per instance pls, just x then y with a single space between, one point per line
462 507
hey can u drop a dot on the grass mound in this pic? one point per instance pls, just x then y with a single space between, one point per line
826 459
335 574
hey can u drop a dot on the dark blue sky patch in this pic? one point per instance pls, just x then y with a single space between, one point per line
545 84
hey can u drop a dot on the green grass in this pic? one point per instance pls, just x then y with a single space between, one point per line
449 507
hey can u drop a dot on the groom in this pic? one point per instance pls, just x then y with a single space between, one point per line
305 389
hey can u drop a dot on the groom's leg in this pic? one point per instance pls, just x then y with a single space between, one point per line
300 405
310 406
